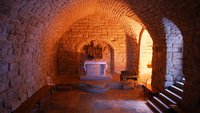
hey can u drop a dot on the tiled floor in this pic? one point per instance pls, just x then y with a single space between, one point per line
78 101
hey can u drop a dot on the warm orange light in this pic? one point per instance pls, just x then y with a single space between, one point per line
145 68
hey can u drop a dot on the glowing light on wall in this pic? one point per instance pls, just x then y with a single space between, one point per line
145 60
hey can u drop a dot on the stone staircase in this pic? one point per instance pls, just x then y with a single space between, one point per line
170 96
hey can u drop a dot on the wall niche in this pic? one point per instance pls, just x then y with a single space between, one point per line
92 51
97 50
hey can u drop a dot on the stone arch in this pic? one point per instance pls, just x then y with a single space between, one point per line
174 54
35 26
46 22
95 27
145 57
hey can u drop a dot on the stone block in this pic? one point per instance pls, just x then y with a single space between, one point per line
10 52
178 45
178 66
4 86
5 44
177 72
3 53
177 62
177 55
3 68
172 49
14 67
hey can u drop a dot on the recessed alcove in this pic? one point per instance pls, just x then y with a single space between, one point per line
117 50
174 61
92 51
97 50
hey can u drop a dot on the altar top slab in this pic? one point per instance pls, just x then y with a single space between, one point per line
95 62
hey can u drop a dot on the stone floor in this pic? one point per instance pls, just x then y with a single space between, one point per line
78 101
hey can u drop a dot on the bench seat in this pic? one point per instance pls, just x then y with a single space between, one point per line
26 106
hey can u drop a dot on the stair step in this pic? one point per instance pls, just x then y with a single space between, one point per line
181 90
167 99
176 90
170 96
161 103
173 95
153 106
179 85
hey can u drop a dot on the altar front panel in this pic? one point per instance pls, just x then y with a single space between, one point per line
95 69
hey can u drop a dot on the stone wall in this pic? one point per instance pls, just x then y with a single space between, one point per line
100 29
29 42
158 64
174 41
132 54
32 29
22 66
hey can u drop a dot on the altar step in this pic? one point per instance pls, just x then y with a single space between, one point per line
95 77
164 100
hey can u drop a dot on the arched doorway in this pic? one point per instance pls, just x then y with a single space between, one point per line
145 59
174 54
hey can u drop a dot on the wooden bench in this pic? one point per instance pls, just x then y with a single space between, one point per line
26 106
125 75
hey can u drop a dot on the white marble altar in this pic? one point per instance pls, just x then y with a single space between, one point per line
95 70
